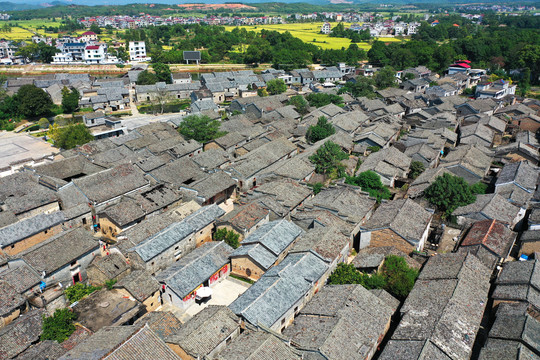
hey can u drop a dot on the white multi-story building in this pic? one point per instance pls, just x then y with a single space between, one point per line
94 54
137 51
326 28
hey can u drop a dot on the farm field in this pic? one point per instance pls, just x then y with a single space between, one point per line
310 33
16 34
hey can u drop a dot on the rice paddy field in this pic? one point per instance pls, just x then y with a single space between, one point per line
310 33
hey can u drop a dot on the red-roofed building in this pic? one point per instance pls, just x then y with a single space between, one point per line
88 37
490 240
94 54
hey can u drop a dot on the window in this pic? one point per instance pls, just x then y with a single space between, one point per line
283 321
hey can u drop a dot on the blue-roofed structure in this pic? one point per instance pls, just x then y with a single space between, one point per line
204 266
282 291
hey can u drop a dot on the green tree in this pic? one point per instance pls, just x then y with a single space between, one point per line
59 326
229 236
72 136
200 128
362 86
322 99
448 192
276 86
163 72
147 78
95 28
416 169
300 104
385 78
370 182
70 100
327 159
33 101
322 130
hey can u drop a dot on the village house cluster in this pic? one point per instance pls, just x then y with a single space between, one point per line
140 207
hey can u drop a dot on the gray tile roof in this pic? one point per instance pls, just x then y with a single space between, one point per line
347 202
20 334
10 299
513 322
205 331
31 226
260 158
140 284
519 281
258 345
110 183
287 192
212 185
21 192
489 206
342 322
100 344
158 243
389 162
21 278
46 349
111 265
328 242
444 308
281 287
143 345
468 161
163 323
211 159
60 250
179 172
195 268
521 174
275 236
506 350
405 217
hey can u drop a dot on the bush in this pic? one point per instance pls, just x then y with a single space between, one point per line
276 86
416 169
43 123
317 187
78 291
479 188
395 276
370 182
229 236
109 284
59 326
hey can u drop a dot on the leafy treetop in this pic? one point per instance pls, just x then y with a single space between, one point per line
276 86
448 192
200 128
322 130
327 158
